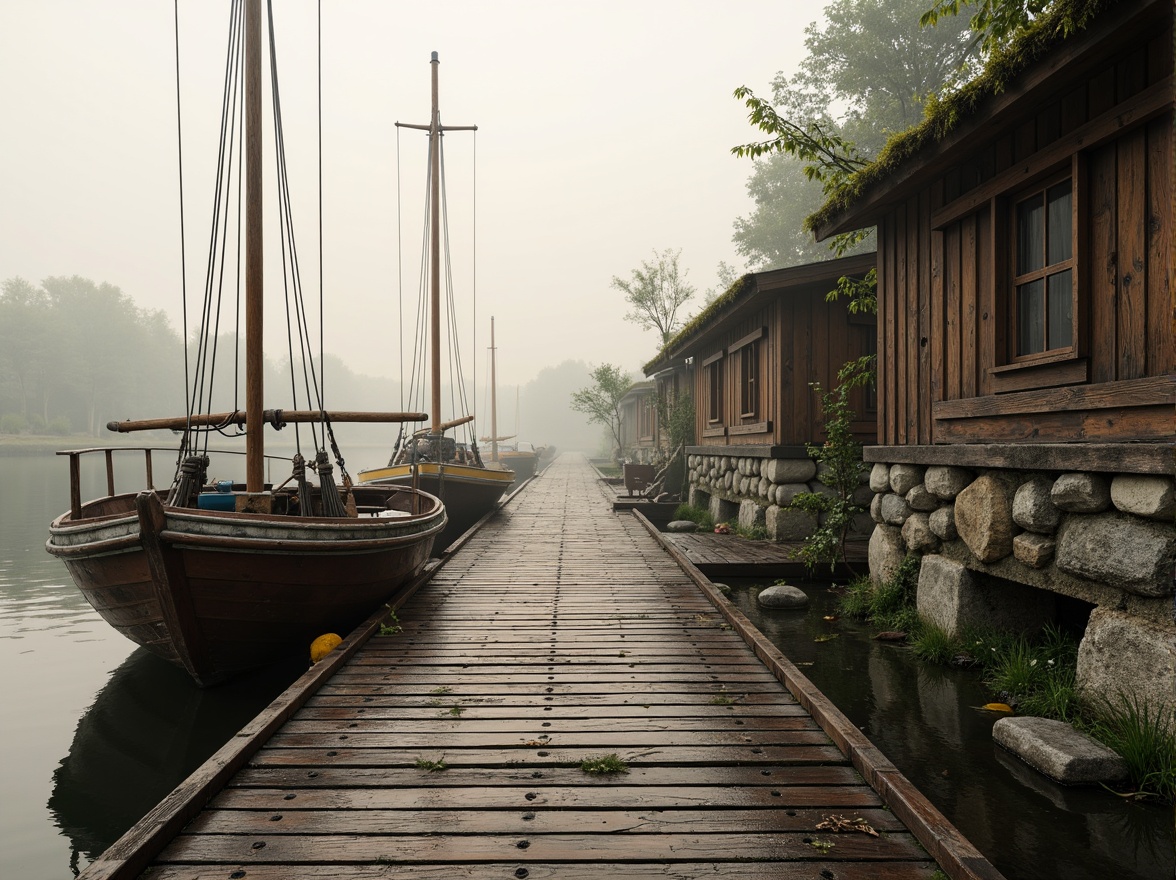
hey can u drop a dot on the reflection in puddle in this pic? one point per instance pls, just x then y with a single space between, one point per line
925 719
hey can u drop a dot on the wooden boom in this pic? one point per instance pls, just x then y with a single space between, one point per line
275 417
443 427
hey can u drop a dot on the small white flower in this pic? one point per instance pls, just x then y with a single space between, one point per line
1050 662
1033 662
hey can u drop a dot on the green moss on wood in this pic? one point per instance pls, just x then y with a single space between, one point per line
737 289
942 115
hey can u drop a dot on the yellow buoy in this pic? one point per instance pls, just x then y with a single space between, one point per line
323 645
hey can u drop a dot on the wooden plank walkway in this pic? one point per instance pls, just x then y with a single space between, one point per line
735 556
560 632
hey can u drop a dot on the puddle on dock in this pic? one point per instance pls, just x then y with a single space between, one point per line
924 719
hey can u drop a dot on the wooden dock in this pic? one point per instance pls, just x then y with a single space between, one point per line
721 556
560 633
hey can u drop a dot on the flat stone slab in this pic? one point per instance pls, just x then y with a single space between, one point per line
782 596
1059 751
683 525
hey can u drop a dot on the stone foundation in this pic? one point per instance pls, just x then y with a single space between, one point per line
754 488
1106 539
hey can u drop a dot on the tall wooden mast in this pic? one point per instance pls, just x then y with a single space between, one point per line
493 398
435 130
254 276
435 249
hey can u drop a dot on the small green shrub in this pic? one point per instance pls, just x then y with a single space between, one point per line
889 605
431 766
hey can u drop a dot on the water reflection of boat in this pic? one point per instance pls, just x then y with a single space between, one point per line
147 730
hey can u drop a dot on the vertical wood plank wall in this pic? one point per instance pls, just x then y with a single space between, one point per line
940 325
807 340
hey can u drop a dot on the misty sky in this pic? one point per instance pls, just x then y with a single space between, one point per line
604 133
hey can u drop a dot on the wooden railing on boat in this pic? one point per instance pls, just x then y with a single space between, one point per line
75 468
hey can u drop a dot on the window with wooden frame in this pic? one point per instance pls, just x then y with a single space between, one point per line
645 418
713 367
749 380
1044 284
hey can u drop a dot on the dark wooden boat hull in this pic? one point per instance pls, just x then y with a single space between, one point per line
524 464
219 593
469 493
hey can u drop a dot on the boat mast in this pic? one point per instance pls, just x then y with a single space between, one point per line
254 399
435 130
435 249
493 399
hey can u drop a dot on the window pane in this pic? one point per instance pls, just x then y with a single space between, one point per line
1061 310
1061 248
1031 317
1030 235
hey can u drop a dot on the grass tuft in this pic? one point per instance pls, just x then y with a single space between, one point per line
1145 737
431 766
705 521
604 764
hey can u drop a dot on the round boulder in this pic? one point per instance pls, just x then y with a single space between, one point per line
782 596
682 525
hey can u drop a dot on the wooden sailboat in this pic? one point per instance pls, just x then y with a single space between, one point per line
221 579
455 474
514 458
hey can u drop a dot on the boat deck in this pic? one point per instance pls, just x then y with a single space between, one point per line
560 633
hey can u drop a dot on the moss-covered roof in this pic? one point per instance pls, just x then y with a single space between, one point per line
720 302
942 116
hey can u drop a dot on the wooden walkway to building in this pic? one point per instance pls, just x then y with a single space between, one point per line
560 633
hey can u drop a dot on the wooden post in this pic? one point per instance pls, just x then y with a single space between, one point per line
109 471
75 485
254 275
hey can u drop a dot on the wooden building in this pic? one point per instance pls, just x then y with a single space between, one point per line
1027 330
750 361
639 429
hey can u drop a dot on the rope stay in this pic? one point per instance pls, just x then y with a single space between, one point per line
201 353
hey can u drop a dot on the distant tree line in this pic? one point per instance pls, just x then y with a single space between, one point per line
74 354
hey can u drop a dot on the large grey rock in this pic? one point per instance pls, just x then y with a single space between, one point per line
942 522
880 478
1152 497
751 515
785 492
920 499
895 510
1081 493
984 519
788 524
682 525
1119 550
1033 549
876 508
1033 508
887 551
789 470
904 477
917 534
952 598
765 488
946 482
1059 751
782 596
699 497
1120 653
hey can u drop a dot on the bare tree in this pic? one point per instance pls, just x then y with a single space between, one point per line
601 401
656 291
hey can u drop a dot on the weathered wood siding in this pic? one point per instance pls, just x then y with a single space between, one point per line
943 269
806 340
